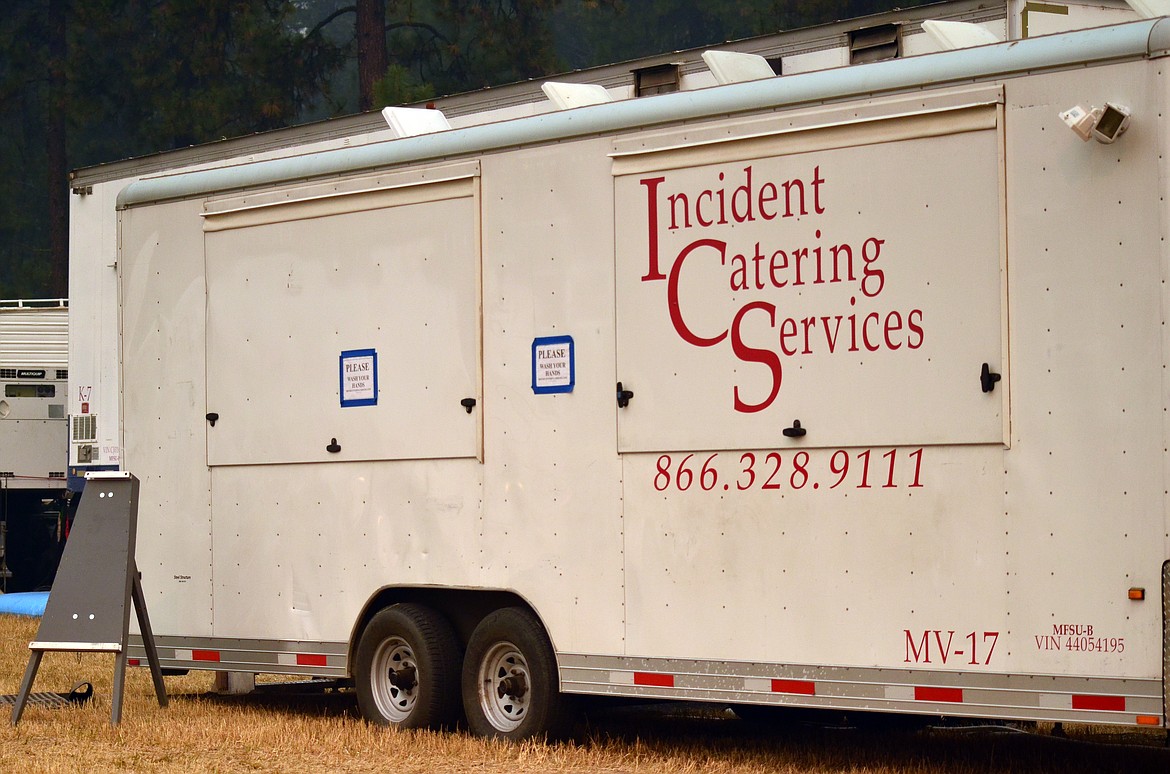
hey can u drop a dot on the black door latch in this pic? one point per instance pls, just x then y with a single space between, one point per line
623 396
796 431
988 378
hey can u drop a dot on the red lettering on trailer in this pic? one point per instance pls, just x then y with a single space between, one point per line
1079 638
818 470
654 679
802 687
933 693
1105 703
654 273
772 269
978 650
205 655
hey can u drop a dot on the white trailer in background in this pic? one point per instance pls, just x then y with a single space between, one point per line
33 439
843 389
33 376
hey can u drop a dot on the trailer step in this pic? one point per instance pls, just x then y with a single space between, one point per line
79 694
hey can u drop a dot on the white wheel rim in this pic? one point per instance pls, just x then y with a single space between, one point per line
394 679
504 687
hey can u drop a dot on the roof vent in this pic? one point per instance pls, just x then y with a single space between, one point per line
950 35
874 44
573 95
736 67
408 122
657 79
1150 9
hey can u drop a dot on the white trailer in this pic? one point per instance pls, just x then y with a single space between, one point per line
33 440
844 389
34 357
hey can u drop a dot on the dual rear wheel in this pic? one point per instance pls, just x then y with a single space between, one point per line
411 673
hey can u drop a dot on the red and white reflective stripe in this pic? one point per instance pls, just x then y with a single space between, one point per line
182 654
777 685
319 659
931 693
934 694
1084 702
650 679
284 659
302 659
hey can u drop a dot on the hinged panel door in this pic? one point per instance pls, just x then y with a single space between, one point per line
847 276
382 282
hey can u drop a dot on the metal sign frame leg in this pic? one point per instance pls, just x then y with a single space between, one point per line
30 673
160 690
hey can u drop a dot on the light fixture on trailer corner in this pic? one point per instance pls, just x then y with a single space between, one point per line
1103 124
1111 123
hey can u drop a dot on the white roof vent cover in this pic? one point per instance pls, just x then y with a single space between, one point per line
950 35
1150 9
574 95
736 67
408 122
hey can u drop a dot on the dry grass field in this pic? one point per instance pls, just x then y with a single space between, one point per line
201 732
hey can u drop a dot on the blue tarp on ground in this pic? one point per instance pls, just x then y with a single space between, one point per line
24 603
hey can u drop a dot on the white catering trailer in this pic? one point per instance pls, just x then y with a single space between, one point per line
841 389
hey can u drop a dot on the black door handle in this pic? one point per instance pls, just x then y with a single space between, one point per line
988 378
623 396
796 431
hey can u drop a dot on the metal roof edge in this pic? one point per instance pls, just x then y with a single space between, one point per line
1159 42
1124 41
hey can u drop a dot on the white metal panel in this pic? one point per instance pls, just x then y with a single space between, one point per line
164 401
391 270
40 400
824 59
300 548
814 286
32 452
94 318
552 526
1086 484
830 556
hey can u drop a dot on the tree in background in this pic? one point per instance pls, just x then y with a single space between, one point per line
409 50
85 81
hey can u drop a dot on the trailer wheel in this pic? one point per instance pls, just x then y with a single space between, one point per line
407 668
510 686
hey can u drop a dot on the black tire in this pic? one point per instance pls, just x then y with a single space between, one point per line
407 670
510 684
